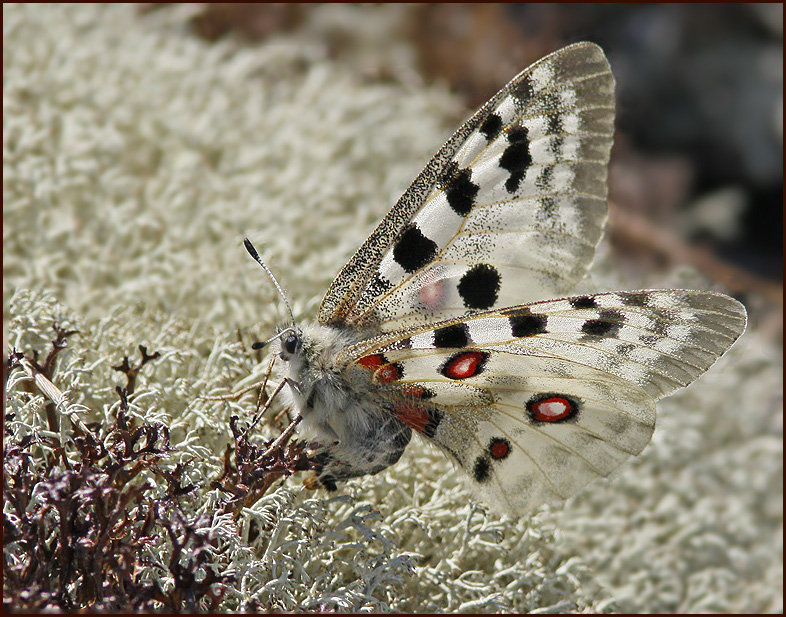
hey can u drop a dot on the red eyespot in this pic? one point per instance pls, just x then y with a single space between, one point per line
465 364
499 448
389 372
552 409
432 295
412 415
414 391
372 362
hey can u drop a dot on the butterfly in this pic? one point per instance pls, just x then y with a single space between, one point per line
441 323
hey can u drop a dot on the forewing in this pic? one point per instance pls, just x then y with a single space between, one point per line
508 211
535 401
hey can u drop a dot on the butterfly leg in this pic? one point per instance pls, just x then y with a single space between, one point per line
370 451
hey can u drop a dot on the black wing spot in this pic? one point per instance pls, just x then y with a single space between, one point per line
584 302
479 287
482 470
517 158
522 90
413 250
598 327
491 126
527 325
607 324
461 192
518 134
452 336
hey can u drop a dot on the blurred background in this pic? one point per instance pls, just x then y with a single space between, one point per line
697 169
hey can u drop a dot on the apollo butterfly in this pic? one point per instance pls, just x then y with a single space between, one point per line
441 322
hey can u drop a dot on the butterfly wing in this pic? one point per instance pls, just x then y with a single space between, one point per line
508 211
535 401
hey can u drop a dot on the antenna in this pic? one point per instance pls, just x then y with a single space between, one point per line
263 344
253 252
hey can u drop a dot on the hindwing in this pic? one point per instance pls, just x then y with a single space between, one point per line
535 401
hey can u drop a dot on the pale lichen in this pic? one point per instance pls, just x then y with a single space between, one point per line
135 159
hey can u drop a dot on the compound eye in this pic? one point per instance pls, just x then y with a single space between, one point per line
289 344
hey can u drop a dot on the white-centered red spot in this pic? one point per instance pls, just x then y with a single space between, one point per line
412 415
552 409
464 365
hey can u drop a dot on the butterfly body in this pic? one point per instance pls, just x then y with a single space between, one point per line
339 407
440 324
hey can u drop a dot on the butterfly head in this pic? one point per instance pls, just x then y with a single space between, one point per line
290 338
290 343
